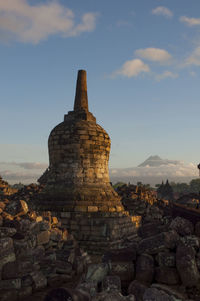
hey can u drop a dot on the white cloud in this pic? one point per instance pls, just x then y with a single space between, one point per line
162 11
194 58
166 74
154 54
190 21
177 172
25 172
32 23
132 68
16 177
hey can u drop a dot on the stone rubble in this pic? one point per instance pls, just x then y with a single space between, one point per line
5 188
35 252
164 266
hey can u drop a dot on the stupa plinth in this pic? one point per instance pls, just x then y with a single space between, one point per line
76 185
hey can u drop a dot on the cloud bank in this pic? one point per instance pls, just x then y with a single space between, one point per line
17 177
180 172
172 170
33 23
25 172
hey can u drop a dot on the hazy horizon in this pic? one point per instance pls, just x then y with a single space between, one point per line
147 172
143 67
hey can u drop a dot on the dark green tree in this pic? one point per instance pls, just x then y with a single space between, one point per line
195 186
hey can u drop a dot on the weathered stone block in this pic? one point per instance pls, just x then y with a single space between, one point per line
63 267
39 219
125 270
25 292
9 295
6 251
43 237
137 289
122 255
81 208
167 259
145 268
191 241
167 275
149 229
6 246
18 207
158 243
169 290
16 269
56 234
33 255
65 214
39 280
96 272
197 229
186 265
182 226
152 294
111 283
92 209
7 232
10 284
2 205
7 258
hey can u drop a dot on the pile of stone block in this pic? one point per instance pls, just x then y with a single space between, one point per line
136 199
5 188
35 251
27 193
163 265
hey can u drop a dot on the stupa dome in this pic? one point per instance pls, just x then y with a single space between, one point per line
79 151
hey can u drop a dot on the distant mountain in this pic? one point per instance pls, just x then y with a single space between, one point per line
155 161
155 169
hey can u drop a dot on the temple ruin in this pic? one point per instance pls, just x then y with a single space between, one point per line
77 187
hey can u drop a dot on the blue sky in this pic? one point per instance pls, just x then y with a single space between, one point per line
143 65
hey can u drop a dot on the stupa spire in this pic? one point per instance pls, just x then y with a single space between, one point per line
81 99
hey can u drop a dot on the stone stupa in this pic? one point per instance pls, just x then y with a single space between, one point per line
77 187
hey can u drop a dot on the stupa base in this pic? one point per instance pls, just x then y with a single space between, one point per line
98 231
